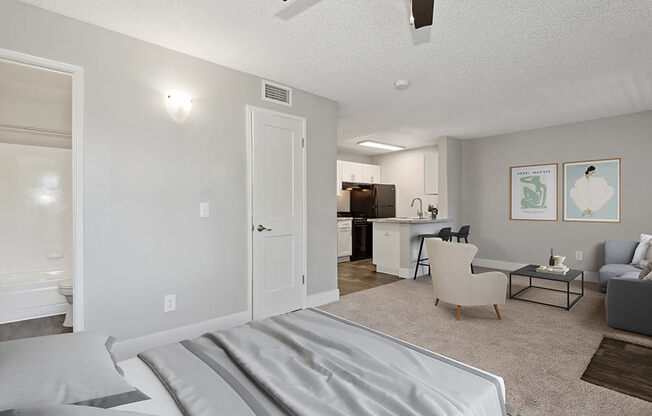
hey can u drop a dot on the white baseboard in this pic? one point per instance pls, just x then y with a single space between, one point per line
322 298
129 348
507 265
33 313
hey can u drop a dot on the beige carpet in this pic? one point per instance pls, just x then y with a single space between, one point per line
540 351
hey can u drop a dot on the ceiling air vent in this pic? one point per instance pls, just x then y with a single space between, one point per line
277 93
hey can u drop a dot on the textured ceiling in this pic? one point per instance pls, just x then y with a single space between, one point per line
485 67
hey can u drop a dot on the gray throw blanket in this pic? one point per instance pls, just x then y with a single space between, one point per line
312 363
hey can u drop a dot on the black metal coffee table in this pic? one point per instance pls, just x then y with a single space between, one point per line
531 272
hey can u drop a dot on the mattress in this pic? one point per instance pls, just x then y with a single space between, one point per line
163 403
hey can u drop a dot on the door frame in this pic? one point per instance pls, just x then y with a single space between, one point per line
77 74
250 224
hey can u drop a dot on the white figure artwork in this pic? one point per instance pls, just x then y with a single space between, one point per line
591 192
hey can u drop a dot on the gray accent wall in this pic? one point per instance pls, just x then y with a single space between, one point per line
144 176
486 163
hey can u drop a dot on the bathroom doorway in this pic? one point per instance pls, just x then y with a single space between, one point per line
41 252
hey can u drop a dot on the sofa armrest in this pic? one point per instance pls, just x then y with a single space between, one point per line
629 304
619 252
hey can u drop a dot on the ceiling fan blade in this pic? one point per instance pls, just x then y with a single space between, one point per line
422 10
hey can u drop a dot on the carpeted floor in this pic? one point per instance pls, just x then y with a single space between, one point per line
541 352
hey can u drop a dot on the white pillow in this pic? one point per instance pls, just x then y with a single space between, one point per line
642 249
648 277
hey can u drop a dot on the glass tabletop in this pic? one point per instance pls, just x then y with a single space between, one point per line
531 271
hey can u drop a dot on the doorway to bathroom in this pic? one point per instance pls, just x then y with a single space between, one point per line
41 259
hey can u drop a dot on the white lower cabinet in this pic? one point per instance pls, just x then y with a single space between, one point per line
344 240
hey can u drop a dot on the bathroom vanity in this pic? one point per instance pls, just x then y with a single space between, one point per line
396 243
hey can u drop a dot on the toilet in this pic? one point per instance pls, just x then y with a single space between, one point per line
65 289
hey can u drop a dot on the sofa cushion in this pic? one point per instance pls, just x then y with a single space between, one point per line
641 248
614 270
619 252
630 275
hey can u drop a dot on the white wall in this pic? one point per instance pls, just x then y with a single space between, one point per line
35 207
344 201
405 170
144 176
353 157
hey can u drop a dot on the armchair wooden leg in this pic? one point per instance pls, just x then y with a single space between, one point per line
497 312
459 312
436 301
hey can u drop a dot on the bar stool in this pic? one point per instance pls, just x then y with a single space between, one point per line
444 234
463 233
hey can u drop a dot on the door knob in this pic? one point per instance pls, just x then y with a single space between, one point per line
261 228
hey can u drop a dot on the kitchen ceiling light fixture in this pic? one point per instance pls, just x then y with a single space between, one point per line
401 84
377 145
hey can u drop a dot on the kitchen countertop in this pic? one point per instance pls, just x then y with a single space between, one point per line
406 220
344 218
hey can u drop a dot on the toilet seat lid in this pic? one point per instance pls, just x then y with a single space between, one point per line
66 284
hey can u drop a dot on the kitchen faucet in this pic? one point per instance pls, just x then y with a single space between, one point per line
420 210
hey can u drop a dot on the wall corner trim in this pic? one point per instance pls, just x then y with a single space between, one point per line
322 298
589 276
128 348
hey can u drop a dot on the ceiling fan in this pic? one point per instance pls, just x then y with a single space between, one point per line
421 12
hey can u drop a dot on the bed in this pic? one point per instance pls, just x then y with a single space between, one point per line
310 362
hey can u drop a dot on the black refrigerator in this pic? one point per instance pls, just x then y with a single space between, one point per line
373 201
369 201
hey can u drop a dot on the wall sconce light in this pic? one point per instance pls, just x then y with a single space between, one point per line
178 105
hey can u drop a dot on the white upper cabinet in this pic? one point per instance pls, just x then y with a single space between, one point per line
351 172
356 172
370 174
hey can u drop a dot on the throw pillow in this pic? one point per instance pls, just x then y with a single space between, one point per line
646 272
642 249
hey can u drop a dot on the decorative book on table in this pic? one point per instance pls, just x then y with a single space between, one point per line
560 270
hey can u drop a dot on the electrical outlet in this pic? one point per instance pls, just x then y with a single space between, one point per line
579 256
169 303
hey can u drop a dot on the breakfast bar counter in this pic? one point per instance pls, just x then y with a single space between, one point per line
396 243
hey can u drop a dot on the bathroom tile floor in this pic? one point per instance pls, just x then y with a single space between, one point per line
49 325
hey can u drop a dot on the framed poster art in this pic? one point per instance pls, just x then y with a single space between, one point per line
592 190
534 192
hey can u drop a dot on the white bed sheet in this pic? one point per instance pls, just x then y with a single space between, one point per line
162 403
142 377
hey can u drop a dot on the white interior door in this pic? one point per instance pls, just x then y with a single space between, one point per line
277 213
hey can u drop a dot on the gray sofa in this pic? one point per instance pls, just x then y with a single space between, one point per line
629 300
618 257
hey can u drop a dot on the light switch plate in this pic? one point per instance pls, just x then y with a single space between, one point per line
169 303
204 210
579 256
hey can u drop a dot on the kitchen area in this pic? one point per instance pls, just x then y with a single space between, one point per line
382 208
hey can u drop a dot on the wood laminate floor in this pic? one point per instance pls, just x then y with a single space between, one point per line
354 276
33 328
623 367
